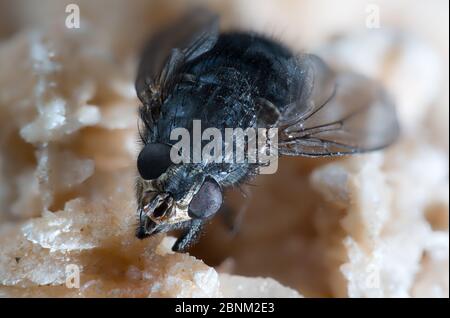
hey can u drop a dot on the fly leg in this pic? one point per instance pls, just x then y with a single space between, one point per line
233 218
189 236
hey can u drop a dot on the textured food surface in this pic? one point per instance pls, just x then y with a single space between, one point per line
373 225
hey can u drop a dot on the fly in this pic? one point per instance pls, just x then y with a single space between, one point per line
190 71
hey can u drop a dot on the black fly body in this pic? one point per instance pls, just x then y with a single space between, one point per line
191 71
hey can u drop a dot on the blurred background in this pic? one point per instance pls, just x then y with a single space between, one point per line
290 231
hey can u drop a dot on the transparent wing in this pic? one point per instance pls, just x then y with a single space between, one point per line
312 84
192 35
335 114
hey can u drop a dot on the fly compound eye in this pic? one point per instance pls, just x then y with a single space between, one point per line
153 160
207 200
